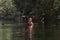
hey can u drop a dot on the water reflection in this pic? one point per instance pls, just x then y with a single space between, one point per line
39 32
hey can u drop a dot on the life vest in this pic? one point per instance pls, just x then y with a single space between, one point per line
29 23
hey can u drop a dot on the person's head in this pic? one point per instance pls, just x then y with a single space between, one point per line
29 19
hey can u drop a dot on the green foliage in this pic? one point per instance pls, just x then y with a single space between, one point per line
57 4
6 5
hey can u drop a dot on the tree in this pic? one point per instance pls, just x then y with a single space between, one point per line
6 5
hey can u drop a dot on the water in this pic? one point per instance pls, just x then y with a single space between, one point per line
10 32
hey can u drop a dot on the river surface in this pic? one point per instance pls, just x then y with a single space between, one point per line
9 32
